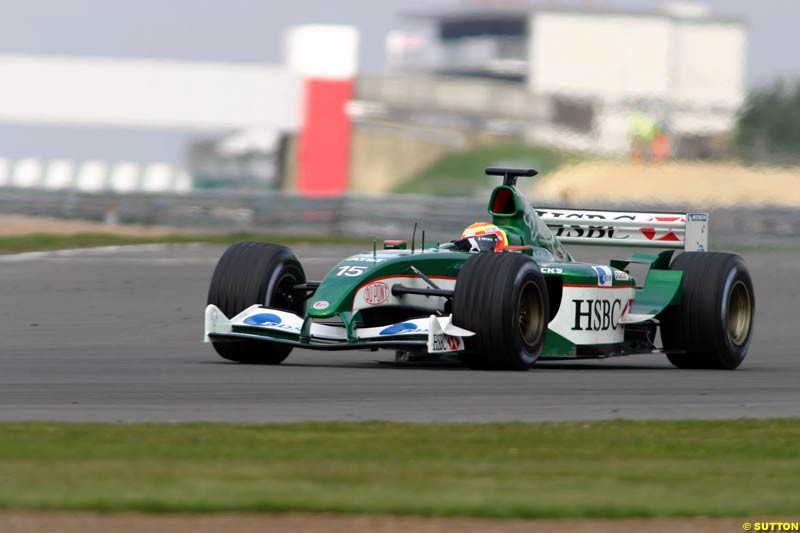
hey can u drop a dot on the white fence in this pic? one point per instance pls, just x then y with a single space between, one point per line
94 176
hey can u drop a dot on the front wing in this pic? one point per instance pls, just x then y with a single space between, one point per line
434 334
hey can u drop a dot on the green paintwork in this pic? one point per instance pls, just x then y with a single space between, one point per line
660 290
655 261
335 295
576 273
338 288
523 225
557 347
661 287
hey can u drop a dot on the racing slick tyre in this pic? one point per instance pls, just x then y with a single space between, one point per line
250 273
502 298
713 325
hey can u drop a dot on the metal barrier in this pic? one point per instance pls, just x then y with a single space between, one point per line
389 216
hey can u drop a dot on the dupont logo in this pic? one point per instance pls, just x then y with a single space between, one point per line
376 293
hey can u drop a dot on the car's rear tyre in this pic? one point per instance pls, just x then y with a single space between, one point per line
502 298
250 273
713 325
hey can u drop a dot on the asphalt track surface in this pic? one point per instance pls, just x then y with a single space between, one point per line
115 335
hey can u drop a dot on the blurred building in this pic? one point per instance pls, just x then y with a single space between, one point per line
585 70
243 112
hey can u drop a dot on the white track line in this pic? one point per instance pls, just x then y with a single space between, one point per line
101 251
79 252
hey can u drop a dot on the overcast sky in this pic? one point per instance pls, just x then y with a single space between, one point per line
252 30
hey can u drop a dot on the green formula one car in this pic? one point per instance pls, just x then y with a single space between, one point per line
504 295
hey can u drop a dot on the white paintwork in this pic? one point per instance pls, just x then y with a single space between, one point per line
430 302
444 337
421 327
215 322
438 330
610 328
629 228
638 318
696 235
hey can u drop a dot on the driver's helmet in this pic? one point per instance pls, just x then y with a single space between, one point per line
487 235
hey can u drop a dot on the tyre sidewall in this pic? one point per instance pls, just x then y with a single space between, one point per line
731 354
251 273
287 272
524 354
696 330
486 302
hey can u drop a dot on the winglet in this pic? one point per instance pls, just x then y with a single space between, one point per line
216 322
510 175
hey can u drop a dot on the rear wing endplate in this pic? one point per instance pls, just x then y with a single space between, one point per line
679 231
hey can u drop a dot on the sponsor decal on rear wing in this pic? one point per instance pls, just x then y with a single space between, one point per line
688 232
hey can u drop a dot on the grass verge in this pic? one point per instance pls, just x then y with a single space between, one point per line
45 241
461 173
604 469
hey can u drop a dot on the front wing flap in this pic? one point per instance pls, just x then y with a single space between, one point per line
434 334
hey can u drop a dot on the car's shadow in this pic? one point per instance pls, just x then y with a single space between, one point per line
388 365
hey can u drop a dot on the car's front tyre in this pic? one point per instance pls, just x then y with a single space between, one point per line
250 273
502 298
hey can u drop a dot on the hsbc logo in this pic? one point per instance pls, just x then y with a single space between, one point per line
376 293
597 315
600 231
446 343
653 234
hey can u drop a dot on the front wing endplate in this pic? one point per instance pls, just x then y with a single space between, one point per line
436 335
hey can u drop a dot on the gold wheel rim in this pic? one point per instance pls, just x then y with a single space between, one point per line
531 313
740 313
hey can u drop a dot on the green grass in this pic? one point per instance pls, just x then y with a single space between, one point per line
461 173
46 241
606 469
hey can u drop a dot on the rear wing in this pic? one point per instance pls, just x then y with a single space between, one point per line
688 232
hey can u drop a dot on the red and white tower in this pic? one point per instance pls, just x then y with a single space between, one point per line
326 57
